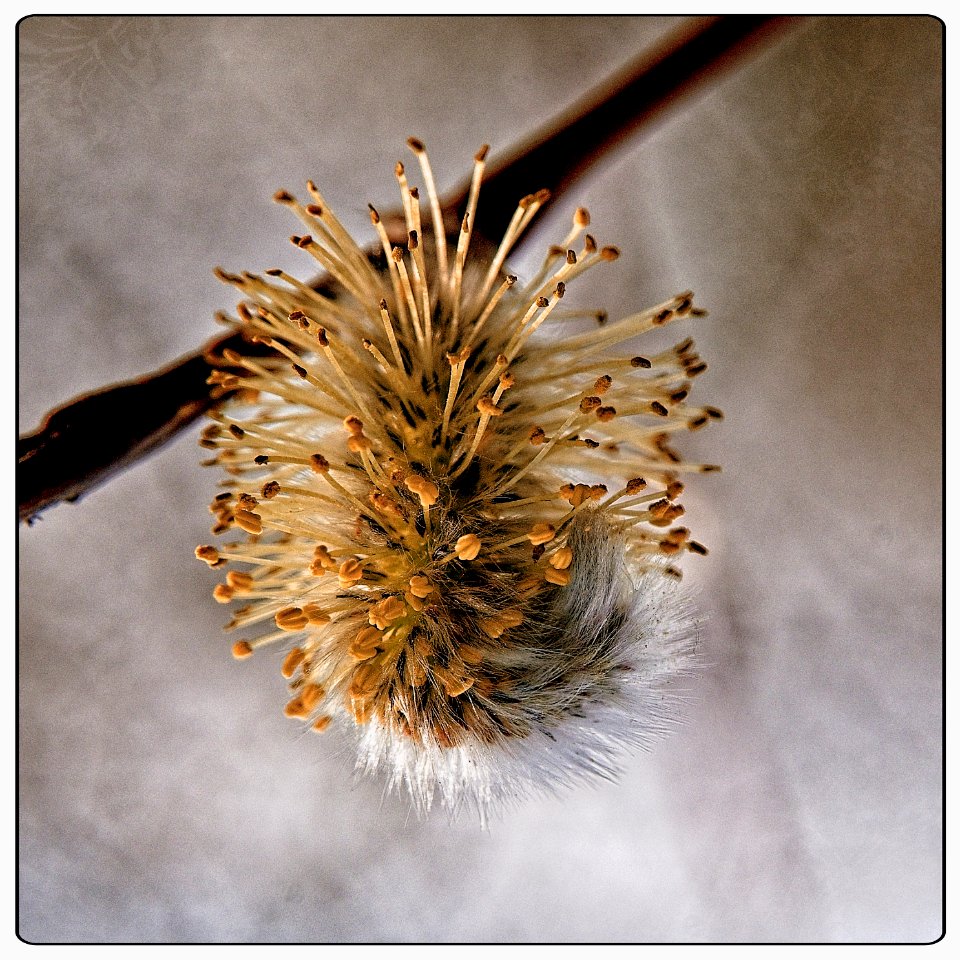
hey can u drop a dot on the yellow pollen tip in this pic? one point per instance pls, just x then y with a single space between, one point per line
468 547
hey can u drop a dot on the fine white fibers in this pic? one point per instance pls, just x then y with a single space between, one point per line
606 661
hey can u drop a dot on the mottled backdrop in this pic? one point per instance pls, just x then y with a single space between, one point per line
164 796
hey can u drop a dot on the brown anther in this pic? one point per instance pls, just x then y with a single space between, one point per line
589 404
319 463
507 380
663 316
321 723
241 650
538 436
281 196
697 548
468 547
305 241
420 586
415 145
658 408
602 384
537 552
713 413
301 372
635 485
250 522
581 217
678 396
711 468
488 408
561 559
609 253
236 431
207 554
322 338
698 422
542 533
598 491
270 489
695 371
350 572
560 290
315 210
413 242
261 459
559 578
589 244
571 257
246 502
674 489
292 661
397 254
642 362
222 593
606 414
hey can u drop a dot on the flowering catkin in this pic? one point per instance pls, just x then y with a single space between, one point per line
458 525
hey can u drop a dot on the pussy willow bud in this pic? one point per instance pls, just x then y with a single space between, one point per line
453 502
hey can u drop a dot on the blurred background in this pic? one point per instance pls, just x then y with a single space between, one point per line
164 797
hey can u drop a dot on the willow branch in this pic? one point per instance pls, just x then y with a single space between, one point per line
87 440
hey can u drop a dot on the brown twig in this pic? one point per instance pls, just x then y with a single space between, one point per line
84 442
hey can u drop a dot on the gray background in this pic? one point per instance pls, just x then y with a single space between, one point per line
163 795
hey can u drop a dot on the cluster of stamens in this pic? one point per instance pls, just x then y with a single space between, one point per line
409 463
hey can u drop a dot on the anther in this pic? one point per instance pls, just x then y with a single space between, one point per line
350 572
290 618
420 587
542 533
468 547
270 489
558 577
207 554
658 408
250 522
291 661
241 650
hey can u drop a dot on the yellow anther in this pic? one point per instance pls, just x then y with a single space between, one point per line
350 572
420 587
241 650
468 547
542 533
425 489
559 577
250 522
291 661
290 618
562 558
222 593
